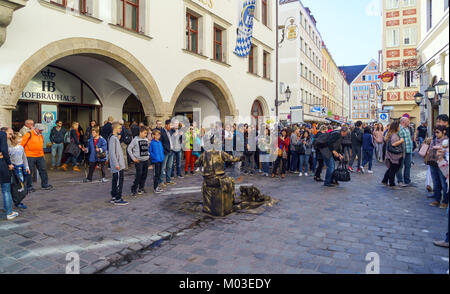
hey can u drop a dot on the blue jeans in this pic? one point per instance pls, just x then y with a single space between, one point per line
421 141
57 150
20 172
294 161
439 184
176 163
314 164
7 198
406 165
264 159
304 161
330 169
167 167
367 158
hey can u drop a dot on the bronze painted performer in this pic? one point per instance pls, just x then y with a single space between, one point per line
218 190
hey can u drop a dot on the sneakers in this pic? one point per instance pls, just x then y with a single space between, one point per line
361 169
403 185
300 174
351 169
170 183
48 188
21 206
159 190
435 203
370 172
104 180
306 174
358 170
180 177
76 168
64 167
140 192
441 244
112 200
12 216
120 202
443 206
87 181
134 193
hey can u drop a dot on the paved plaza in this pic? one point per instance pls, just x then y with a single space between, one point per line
313 229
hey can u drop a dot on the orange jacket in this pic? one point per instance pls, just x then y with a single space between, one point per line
34 145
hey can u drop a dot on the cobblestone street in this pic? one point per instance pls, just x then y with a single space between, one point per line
312 229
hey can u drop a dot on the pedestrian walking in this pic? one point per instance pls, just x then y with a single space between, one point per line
97 148
73 149
19 161
394 154
356 136
367 148
305 153
282 154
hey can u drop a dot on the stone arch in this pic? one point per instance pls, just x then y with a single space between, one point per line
123 61
264 105
215 84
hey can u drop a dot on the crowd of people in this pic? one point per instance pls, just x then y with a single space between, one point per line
265 150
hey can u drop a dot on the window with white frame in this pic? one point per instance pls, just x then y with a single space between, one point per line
392 4
410 36
408 3
392 37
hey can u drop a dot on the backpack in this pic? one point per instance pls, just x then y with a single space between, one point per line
128 136
67 137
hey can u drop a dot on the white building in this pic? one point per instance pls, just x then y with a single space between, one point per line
79 60
300 60
433 55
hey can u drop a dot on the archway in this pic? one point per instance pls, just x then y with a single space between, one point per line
213 96
124 62
132 110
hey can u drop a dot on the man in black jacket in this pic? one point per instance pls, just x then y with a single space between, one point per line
167 165
57 138
107 130
357 136
331 150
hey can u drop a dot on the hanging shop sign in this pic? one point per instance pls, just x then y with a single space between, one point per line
291 29
245 29
387 77
53 85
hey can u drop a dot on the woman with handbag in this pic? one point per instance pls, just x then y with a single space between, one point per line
431 159
394 154
282 154
74 148
97 148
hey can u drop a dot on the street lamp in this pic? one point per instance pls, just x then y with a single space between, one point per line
288 94
441 88
431 93
418 98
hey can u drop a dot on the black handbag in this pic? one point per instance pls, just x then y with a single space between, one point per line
18 189
394 149
342 174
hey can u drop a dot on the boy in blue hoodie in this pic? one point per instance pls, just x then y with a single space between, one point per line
156 151
367 147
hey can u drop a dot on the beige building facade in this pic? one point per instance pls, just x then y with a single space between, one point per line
401 35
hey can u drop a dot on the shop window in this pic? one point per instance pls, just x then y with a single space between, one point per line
192 33
131 14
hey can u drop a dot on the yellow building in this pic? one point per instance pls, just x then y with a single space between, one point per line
332 89
401 35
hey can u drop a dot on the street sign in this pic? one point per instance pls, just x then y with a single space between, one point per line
296 108
388 107
316 109
324 112
296 114
383 117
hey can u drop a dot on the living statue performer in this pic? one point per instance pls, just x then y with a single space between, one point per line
218 190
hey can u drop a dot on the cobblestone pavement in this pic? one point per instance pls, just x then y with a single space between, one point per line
312 229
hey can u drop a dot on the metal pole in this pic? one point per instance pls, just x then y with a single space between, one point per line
276 79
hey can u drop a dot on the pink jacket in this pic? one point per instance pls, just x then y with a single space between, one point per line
378 136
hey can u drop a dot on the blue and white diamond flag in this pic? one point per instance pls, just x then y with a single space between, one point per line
245 30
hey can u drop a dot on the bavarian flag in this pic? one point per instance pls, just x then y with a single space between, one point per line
245 29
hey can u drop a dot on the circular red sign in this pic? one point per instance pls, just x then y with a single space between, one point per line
387 77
